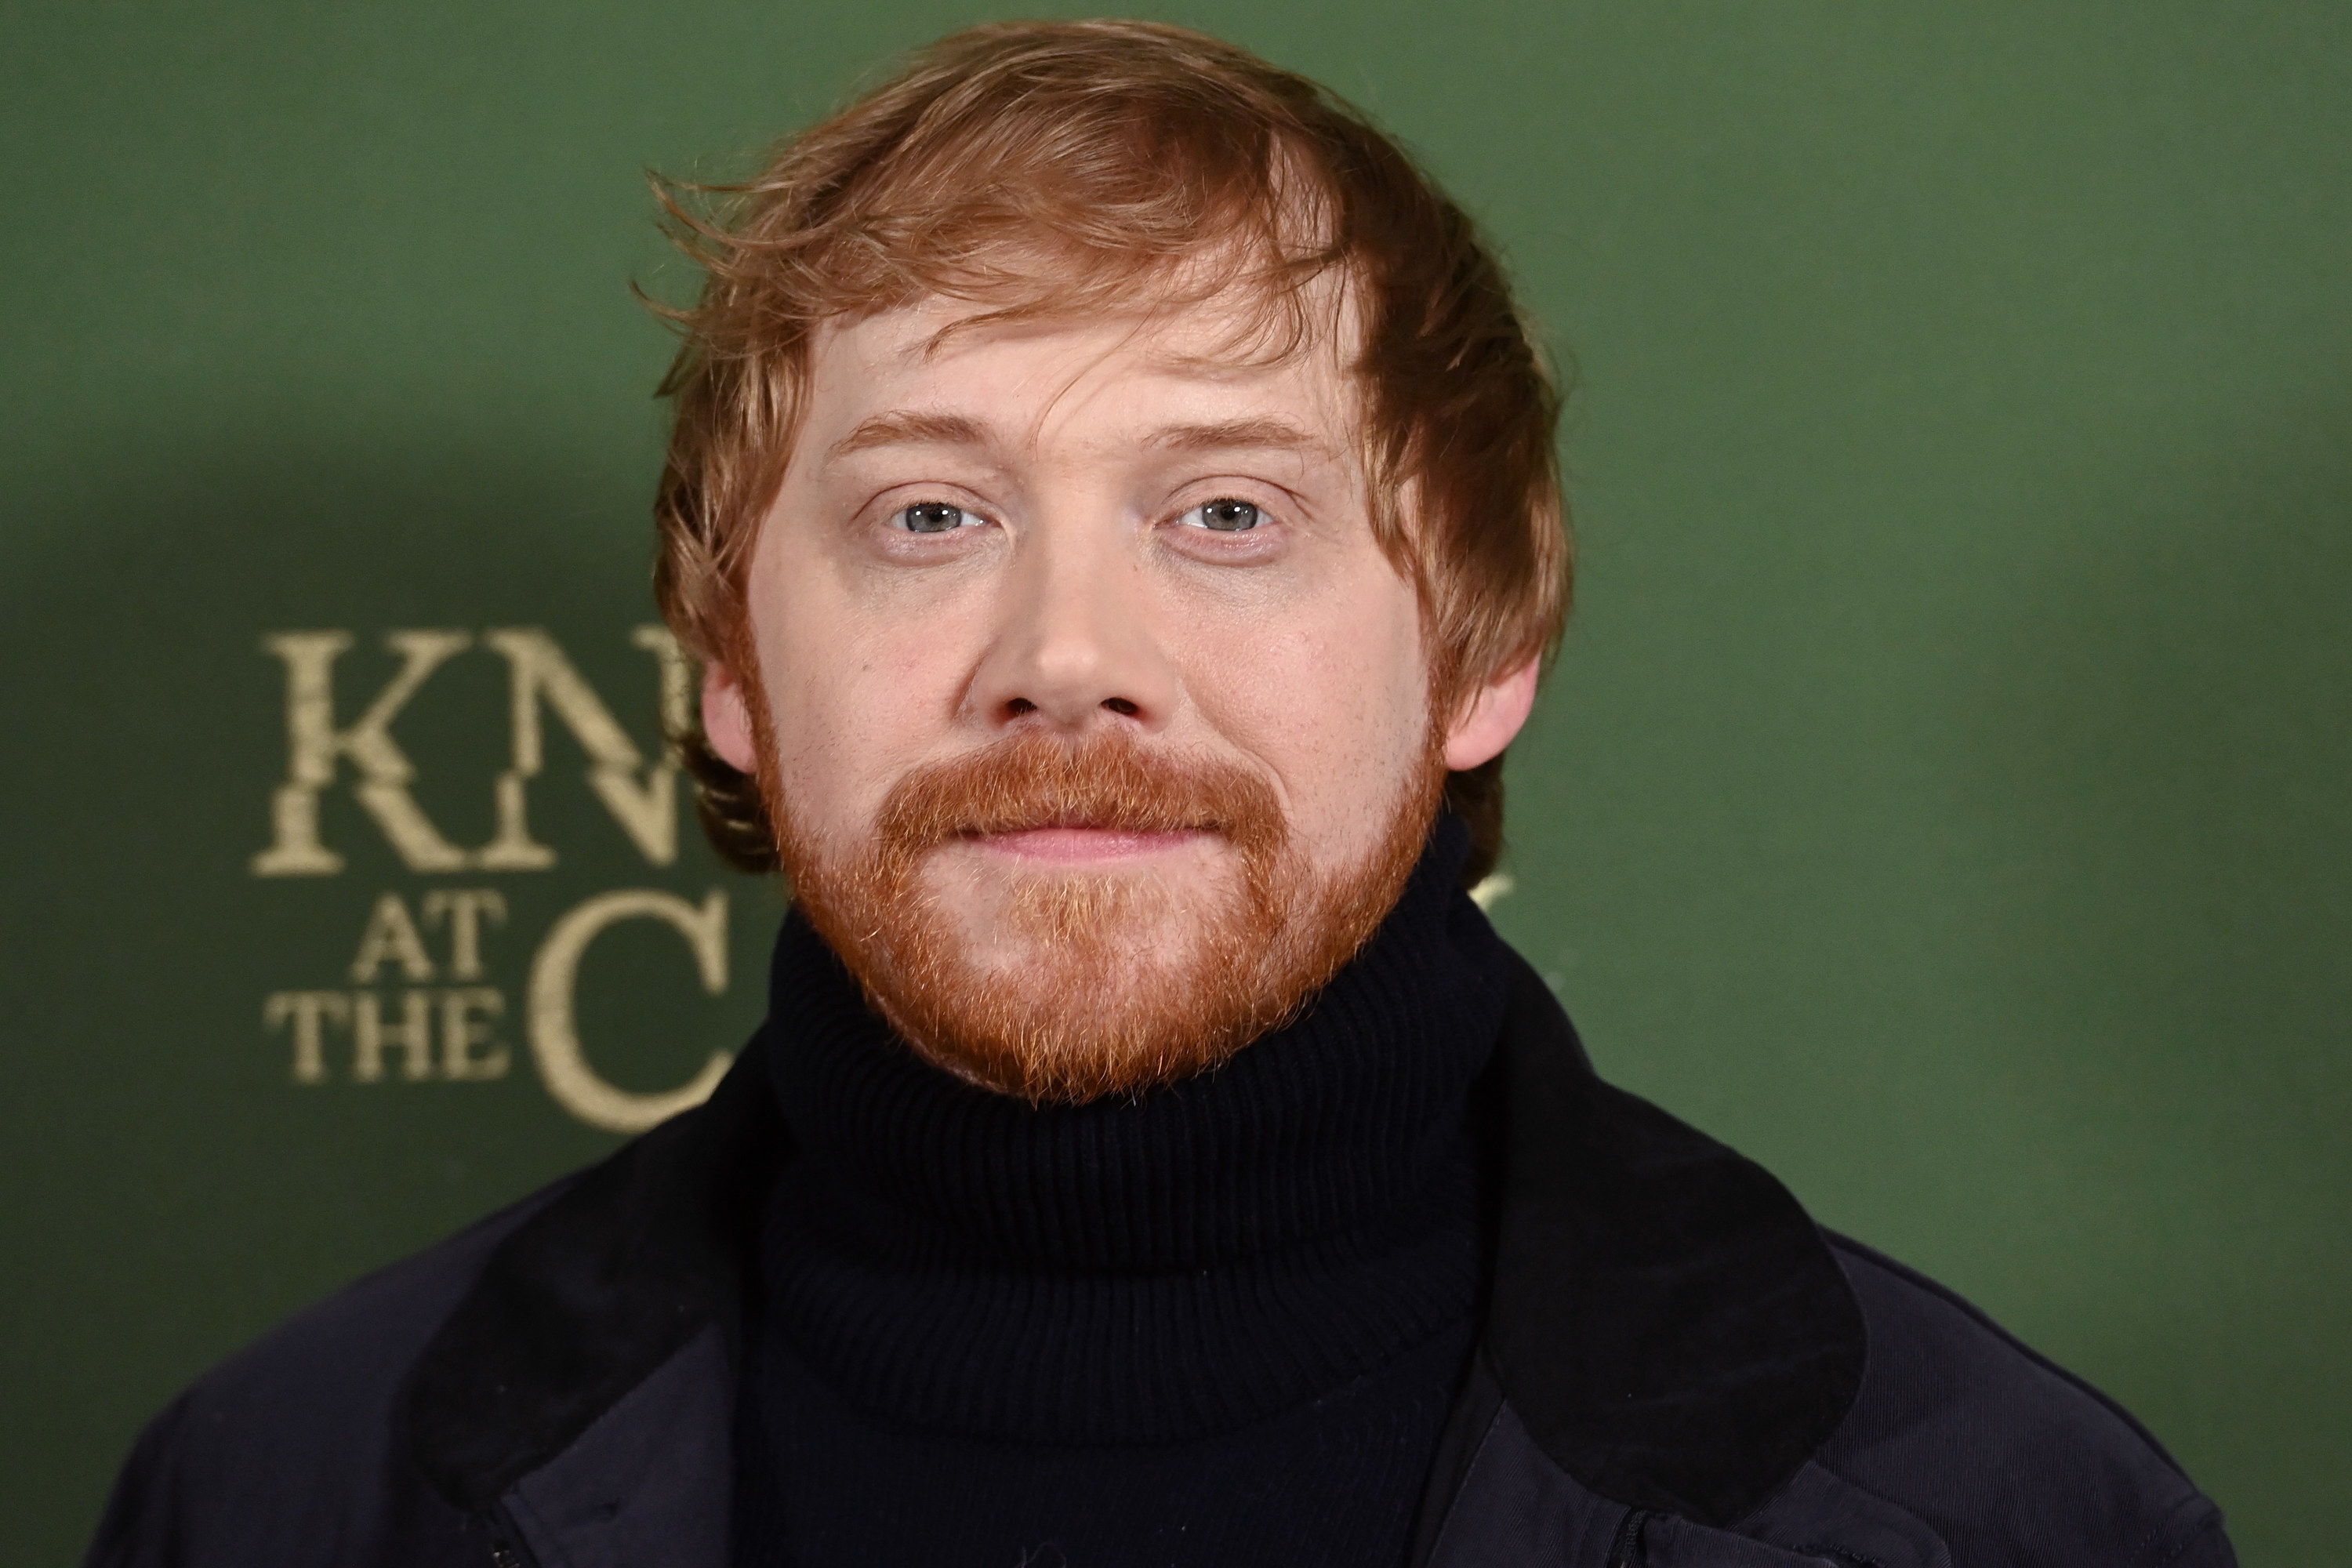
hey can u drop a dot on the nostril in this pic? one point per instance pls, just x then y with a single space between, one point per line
1121 706
1019 705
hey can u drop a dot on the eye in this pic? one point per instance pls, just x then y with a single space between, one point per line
931 517
1224 516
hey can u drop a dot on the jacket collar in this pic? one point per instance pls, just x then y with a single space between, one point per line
1666 1319
639 1255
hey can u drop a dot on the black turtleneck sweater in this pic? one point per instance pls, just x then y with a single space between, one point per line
1219 1324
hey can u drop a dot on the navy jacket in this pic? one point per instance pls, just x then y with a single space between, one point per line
1677 1368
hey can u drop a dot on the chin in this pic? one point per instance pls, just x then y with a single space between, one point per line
1042 911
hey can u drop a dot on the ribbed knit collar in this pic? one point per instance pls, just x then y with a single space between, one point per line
1148 1270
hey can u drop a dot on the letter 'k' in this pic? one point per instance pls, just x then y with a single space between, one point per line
313 745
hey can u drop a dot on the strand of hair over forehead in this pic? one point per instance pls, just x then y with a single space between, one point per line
1180 167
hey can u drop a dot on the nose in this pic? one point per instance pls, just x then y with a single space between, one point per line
1075 647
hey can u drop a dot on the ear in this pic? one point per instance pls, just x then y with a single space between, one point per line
727 718
1490 716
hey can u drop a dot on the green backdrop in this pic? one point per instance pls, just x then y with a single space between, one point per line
1942 797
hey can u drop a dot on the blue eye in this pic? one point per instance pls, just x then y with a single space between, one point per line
1225 516
930 517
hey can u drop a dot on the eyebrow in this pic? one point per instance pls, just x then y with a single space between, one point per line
1262 434
904 429
908 428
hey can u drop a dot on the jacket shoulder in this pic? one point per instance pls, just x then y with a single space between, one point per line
292 1450
2010 1458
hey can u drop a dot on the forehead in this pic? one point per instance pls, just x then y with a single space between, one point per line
1037 379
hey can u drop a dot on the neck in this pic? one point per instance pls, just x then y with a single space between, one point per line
1138 1269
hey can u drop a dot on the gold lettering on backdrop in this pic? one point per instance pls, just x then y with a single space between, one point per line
305 1009
676 675
470 1051
466 907
314 744
412 1037
391 934
554 1032
642 796
396 1024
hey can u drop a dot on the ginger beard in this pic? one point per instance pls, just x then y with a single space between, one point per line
1103 981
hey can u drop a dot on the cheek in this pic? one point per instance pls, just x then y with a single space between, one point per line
1335 702
854 702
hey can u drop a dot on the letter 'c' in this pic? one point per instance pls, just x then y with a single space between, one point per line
555 1037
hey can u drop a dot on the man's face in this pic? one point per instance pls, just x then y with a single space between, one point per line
1090 696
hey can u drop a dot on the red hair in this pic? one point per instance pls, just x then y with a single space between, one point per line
1038 169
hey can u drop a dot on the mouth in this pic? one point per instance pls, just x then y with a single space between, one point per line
1083 843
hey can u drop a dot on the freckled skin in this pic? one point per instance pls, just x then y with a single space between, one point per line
1082 579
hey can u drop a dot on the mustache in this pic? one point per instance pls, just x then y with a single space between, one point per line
1106 779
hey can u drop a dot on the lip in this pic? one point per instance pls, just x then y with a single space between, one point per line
1073 846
